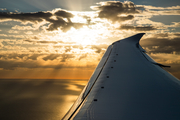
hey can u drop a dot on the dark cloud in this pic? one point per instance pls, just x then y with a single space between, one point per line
34 56
177 34
68 49
83 56
63 25
33 17
33 41
62 19
59 23
64 14
163 44
61 57
54 42
65 57
98 48
113 10
51 57
137 28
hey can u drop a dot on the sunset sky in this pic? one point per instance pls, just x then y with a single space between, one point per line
65 39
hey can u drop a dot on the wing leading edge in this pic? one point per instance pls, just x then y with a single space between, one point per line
128 84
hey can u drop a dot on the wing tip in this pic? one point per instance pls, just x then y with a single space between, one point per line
135 38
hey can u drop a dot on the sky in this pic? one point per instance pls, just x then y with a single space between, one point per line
65 39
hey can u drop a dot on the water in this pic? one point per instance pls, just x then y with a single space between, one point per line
37 99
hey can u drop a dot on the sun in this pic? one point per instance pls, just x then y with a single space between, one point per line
84 36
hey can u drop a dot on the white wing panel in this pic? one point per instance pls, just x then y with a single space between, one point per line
97 71
129 86
87 88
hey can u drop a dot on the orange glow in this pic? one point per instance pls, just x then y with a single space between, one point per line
46 74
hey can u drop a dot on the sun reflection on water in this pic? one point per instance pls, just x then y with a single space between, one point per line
38 99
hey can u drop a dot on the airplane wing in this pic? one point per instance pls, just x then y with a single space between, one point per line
128 85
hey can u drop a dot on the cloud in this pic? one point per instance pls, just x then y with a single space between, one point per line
153 10
162 43
17 27
14 56
78 46
112 10
14 61
165 12
3 35
82 56
172 60
59 23
32 17
12 65
29 32
161 8
64 14
61 57
51 57
57 19
44 42
68 49
12 31
176 24
98 48
1 45
137 28
65 57
34 56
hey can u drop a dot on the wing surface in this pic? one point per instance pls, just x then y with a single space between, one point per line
128 85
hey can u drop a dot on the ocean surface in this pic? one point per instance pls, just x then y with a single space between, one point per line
37 99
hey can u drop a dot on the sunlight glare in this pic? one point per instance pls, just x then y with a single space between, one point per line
83 36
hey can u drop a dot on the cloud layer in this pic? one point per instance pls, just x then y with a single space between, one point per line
162 43
61 40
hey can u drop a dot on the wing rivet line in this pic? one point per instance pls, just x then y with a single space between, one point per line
95 99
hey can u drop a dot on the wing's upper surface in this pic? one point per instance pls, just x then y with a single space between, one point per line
128 85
